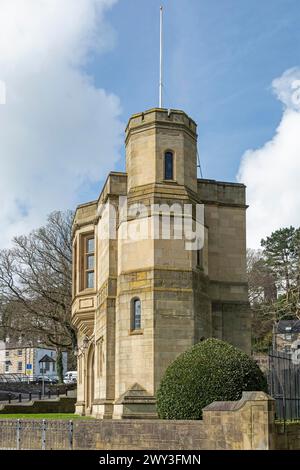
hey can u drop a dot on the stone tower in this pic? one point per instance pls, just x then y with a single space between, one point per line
150 298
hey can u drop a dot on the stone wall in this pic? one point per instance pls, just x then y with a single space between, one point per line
140 434
60 405
247 424
242 425
287 436
225 216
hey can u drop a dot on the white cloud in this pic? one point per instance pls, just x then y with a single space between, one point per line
272 172
57 130
287 88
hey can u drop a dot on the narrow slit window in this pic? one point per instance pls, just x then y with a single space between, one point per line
169 166
136 314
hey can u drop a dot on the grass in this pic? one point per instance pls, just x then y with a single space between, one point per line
67 416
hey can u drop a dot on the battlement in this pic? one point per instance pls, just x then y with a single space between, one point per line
163 117
221 192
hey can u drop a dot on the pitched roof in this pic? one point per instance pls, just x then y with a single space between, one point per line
288 326
46 358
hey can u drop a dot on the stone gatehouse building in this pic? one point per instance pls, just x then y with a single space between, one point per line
139 302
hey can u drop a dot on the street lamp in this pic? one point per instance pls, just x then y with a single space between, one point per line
45 359
83 348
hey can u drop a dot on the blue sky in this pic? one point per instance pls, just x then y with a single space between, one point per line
220 59
74 71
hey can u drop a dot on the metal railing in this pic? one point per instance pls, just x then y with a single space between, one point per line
36 435
30 379
15 397
284 385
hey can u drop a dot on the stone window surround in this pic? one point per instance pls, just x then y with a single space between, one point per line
133 330
84 269
74 281
173 179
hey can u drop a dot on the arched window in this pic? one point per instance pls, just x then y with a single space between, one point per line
136 314
169 166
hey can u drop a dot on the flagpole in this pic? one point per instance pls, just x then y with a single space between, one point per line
160 55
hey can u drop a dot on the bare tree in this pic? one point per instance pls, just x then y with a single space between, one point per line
261 279
35 284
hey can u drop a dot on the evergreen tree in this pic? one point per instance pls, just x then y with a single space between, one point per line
281 253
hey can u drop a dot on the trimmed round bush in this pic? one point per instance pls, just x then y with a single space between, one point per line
209 371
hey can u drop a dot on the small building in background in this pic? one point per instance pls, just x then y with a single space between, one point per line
18 357
286 337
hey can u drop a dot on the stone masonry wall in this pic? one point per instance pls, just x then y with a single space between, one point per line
247 424
287 436
61 405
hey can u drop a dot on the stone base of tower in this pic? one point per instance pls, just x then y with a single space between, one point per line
102 409
80 408
136 403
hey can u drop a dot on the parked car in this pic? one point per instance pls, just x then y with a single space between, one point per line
54 379
40 379
23 378
70 377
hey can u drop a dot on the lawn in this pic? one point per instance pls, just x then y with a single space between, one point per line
68 416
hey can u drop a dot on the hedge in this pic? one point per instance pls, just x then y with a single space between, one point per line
212 370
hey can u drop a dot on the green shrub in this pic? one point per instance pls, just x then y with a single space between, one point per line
209 371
